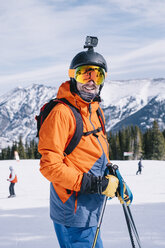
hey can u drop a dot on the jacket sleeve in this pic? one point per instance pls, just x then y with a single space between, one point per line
56 131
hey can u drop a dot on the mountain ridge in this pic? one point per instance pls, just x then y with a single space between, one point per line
125 102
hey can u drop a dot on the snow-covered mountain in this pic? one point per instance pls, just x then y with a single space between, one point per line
136 102
18 109
124 102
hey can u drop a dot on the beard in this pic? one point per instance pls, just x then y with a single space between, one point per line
86 96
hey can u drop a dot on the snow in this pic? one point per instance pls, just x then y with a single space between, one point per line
141 90
25 222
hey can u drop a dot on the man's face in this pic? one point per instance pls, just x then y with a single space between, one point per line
89 87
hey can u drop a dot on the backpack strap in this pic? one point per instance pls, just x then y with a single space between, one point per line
44 112
94 132
79 127
101 119
46 109
99 129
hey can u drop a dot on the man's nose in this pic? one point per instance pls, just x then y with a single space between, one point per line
91 82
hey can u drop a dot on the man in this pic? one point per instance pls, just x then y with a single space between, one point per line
78 185
139 167
12 179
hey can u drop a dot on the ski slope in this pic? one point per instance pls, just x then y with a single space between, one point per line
25 222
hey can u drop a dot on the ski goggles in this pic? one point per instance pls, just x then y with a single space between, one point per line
85 73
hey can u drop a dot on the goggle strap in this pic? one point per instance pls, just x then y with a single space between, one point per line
71 73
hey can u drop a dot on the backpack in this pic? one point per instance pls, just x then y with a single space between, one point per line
15 180
46 109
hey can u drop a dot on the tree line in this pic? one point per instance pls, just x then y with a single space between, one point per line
130 140
147 145
29 150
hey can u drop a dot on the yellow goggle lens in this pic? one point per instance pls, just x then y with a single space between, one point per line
85 73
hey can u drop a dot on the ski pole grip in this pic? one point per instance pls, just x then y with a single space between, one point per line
112 168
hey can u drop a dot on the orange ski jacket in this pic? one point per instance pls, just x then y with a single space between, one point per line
66 172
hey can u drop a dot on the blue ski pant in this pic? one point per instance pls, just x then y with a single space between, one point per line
11 189
77 237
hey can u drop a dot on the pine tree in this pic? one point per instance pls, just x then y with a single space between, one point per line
147 144
21 150
128 141
111 146
137 137
8 152
158 143
37 155
118 148
4 154
122 140
32 147
163 133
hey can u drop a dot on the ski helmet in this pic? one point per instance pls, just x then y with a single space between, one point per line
89 57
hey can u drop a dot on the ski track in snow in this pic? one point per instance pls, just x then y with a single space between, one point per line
25 222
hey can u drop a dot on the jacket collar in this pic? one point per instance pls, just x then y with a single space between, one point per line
68 91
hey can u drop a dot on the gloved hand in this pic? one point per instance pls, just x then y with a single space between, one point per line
127 195
112 186
101 185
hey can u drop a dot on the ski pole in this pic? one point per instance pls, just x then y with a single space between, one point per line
128 226
127 212
111 171
118 175
99 222
131 224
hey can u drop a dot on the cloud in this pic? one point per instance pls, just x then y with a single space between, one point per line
151 10
37 30
38 38
54 76
153 50
150 58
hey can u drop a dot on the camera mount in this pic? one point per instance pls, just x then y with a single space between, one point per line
91 42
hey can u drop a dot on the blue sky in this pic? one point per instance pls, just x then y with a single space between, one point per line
39 38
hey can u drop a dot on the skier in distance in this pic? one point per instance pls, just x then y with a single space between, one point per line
12 179
139 171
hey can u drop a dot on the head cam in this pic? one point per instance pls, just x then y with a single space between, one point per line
91 42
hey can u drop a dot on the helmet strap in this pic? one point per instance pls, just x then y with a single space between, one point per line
100 88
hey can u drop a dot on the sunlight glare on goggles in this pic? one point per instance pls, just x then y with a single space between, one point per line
85 73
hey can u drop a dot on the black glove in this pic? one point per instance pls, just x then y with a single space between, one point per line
92 184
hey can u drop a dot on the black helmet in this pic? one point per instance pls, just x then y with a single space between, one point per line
88 57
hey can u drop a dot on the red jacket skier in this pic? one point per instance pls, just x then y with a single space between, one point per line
12 179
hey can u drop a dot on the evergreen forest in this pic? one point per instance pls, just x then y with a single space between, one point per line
128 143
